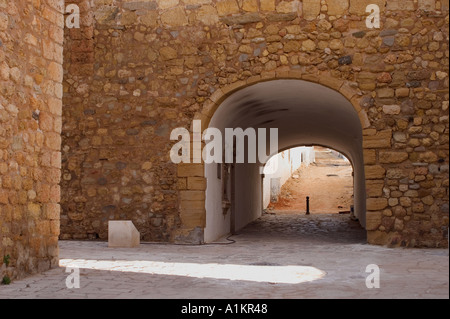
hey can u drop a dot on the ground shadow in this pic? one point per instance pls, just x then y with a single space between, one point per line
307 229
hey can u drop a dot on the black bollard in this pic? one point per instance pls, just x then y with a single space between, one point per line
307 206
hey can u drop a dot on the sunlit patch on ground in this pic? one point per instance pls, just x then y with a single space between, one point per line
254 273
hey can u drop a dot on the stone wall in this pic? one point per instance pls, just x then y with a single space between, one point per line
135 70
31 56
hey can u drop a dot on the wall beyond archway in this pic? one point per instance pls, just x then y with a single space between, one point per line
280 169
305 113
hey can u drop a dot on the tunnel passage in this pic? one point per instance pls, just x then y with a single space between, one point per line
305 114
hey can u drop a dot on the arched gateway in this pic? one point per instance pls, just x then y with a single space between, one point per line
304 113
369 78
86 112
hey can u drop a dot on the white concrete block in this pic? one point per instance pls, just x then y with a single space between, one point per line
123 234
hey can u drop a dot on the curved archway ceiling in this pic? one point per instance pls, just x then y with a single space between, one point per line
305 113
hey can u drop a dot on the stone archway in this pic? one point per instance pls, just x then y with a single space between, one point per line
152 68
228 100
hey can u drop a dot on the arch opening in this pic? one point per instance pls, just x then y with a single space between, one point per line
309 180
305 114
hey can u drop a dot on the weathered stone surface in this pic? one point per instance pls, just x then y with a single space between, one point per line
4 21
168 53
165 4
370 156
174 17
393 157
31 76
427 5
278 17
311 9
337 7
208 15
250 5
374 188
376 204
391 109
267 5
384 78
241 19
287 7
373 220
227 7
358 7
308 45
375 172
398 5
139 5
345 60
142 68
381 139
419 75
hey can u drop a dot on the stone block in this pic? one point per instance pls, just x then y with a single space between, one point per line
358 7
175 17
192 195
381 139
141 5
191 170
311 9
402 92
370 157
364 119
196 183
427 5
168 53
188 205
393 157
374 188
4 20
208 15
250 5
391 109
196 2
194 217
337 7
385 93
226 7
396 173
375 172
166 4
287 7
373 220
267 5
123 234
376 204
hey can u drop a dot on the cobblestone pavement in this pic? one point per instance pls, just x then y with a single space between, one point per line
276 257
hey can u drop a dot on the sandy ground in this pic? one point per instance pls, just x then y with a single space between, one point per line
328 182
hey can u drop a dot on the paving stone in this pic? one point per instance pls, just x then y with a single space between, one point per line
332 244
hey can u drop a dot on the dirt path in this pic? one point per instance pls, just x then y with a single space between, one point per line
328 182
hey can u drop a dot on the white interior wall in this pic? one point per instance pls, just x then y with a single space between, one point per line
217 223
248 195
